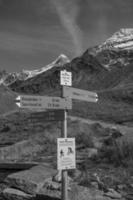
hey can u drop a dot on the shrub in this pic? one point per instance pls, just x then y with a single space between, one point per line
84 139
119 153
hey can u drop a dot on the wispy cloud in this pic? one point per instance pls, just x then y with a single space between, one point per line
68 12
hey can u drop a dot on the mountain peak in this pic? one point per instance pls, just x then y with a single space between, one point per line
123 39
61 60
26 74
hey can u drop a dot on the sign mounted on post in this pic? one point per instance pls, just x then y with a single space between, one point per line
66 153
79 94
65 78
52 115
43 102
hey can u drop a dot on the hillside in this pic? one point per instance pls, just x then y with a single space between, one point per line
102 130
106 69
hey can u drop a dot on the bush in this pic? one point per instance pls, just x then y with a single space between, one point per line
84 139
119 153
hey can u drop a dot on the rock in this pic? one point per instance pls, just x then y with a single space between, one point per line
129 196
14 194
113 194
57 177
5 128
75 174
97 143
30 181
115 133
76 193
121 187
94 184
131 185
50 184
91 152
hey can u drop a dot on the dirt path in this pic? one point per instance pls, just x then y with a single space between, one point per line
124 129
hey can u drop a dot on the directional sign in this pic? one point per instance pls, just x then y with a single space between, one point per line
65 78
43 102
52 115
75 93
66 153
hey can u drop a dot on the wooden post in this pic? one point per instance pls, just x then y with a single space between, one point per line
64 194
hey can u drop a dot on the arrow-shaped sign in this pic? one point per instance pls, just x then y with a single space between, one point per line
74 93
43 102
18 101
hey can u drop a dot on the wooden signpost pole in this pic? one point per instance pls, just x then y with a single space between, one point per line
65 79
64 172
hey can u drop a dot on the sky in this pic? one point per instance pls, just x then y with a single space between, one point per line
33 33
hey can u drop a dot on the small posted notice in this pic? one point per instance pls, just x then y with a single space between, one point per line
66 153
66 78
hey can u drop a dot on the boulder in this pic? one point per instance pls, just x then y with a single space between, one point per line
14 194
91 152
30 181
76 193
113 194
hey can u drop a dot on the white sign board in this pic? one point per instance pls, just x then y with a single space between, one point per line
66 153
43 102
65 78
85 95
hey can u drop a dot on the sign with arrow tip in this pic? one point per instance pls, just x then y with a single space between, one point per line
43 102
74 93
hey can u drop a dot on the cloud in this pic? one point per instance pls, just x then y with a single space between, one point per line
68 13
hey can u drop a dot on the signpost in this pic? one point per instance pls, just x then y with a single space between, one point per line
57 110
78 94
65 79
43 102
66 153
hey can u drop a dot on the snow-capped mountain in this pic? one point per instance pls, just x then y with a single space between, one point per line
122 39
60 61
27 74
106 69
117 51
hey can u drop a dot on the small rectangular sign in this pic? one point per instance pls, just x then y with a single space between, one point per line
79 94
65 78
44 102
54 115
66 153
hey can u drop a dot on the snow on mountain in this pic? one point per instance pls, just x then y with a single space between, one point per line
117 51
61 60
26 74
122 39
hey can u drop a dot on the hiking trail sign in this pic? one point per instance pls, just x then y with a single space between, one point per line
43 102
74 93
51 115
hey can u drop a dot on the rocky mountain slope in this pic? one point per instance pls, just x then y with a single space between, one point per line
102 67
9 78
106 69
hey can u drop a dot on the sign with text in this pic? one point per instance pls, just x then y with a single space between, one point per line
65 78
52 115
66 153
43 102
79 94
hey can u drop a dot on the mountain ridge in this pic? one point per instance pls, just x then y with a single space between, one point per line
9 78
107 71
